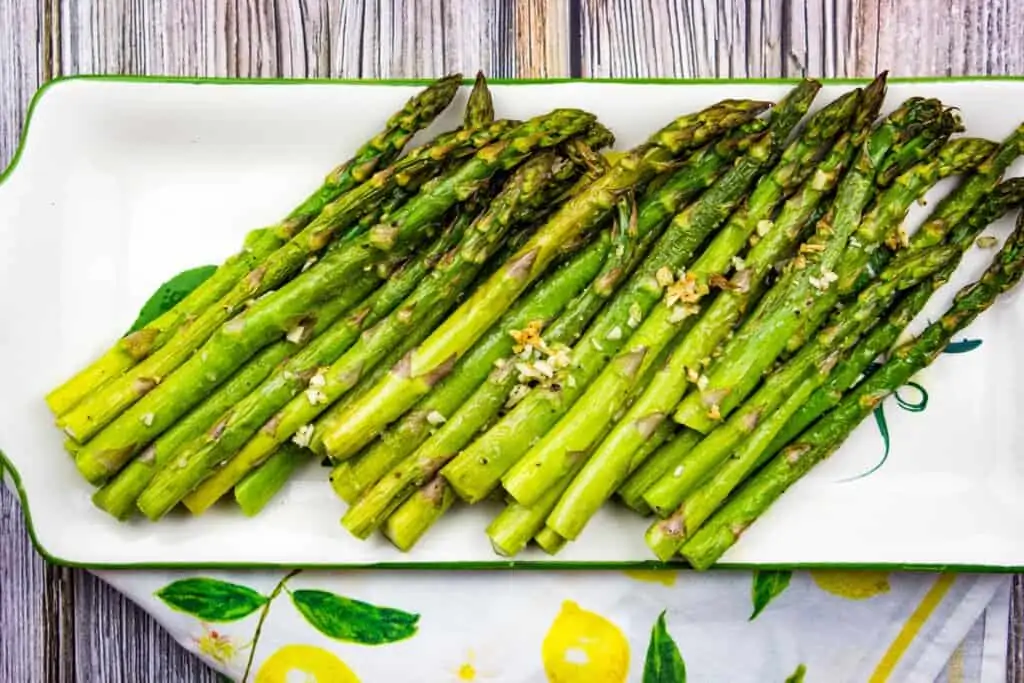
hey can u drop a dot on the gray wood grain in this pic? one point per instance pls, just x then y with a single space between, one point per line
64 625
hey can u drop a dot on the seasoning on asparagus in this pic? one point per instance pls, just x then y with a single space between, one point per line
415 376
753 498
758 343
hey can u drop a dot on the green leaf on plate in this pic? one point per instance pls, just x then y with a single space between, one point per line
353 621
211 599
170 293
664 664
767 586
798 675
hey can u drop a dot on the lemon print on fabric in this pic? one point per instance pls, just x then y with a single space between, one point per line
666 577
584 647
851 585
304 664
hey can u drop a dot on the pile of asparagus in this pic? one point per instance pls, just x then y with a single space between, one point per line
506 312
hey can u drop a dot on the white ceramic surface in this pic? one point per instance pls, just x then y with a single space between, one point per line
121 184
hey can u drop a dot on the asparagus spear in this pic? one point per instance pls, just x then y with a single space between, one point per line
372 508
211 489
419 313
921 148
511 530
352 477
820 355
480 106
549 541
955 205
235 425
669 384
664 460
119 494
254 492
272 315
415 376
260 485
424 507
1007 195
579 428
761 339
379 151
477 470
753 498
861 258
739 445
955 157
102 406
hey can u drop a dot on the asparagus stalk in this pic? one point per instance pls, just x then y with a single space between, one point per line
477 470
511 530
272 315
753 428
480 106
380 151
419 313
415 376
955 157
517 524
371 509
820 356
350 478
670 382
235 425
922 148
861 258
549 541
104 405
666 536
955 205
412 519
1007 195
761 340
119 495
578 430
664 460
254 492
263 483
753 498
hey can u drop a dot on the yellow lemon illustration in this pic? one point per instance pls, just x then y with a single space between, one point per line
665 577
304 664
851 585
584 647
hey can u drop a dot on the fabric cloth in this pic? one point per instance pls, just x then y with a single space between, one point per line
594 626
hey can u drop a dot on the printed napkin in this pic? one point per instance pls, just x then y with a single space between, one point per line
587 626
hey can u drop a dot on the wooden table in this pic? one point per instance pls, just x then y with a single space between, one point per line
64 625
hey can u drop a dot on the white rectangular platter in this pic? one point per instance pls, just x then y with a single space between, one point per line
121 183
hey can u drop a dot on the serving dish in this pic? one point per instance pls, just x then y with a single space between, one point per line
121 183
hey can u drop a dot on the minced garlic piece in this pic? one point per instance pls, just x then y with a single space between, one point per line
303 436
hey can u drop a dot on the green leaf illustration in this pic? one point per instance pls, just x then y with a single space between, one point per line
353 621
170 293
798 675
664 664
767 586
211 599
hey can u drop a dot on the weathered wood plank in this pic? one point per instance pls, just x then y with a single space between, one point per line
23 580
667 39
21 589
